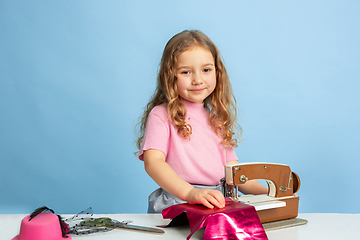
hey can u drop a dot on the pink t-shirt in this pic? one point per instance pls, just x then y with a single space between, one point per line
200 160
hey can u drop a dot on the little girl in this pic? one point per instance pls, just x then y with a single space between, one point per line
187 130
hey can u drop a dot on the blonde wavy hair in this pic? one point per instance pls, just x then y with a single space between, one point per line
221 102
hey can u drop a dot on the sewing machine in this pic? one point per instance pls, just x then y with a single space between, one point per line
280 203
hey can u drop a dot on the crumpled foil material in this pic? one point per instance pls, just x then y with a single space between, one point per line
236 221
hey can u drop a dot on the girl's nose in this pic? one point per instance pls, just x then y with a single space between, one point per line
197 79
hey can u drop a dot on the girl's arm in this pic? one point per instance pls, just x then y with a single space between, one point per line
167 179
252 186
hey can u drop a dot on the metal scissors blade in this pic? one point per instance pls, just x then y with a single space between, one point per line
141 228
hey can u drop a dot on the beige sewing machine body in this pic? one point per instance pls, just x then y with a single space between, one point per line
280 203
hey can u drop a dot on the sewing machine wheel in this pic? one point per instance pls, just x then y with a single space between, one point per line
296 182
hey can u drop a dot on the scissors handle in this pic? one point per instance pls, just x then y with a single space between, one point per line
99 222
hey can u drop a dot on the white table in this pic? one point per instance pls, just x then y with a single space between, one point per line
320 226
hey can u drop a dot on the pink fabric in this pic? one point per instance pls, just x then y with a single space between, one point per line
235 221
201 159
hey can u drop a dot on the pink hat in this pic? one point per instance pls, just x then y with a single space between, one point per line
45 226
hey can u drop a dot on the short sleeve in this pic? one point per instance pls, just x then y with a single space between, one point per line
230 154
156 134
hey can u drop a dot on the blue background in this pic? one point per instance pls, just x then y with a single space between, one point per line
75 77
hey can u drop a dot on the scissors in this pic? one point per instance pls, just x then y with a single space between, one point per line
108 222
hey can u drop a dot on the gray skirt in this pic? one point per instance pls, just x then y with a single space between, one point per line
161 199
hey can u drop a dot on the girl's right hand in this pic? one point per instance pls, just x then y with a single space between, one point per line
206 197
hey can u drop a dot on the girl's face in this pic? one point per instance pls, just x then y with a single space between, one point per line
196 74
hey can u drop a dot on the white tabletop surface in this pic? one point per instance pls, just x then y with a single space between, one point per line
319 226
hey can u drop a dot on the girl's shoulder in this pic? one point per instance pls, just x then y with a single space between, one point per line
160 111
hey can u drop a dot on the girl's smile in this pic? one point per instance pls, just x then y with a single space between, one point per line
196 74
197 90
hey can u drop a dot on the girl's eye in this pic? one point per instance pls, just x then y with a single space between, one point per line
207 69
185 72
